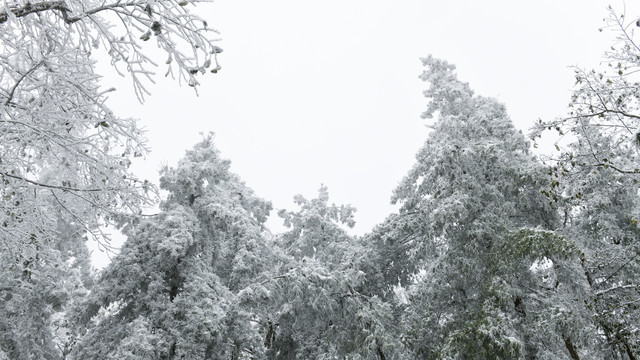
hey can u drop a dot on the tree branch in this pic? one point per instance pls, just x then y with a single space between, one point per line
630 286
31 8
620 268
63 188
622 171
15 86
602 113
71 20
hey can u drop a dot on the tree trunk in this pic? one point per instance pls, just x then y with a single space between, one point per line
571 348
379 351
629 351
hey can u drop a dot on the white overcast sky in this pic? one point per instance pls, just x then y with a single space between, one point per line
315 92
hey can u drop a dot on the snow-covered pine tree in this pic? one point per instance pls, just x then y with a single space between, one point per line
172 290
311 305
481 232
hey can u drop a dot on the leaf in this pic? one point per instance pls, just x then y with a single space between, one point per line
146 36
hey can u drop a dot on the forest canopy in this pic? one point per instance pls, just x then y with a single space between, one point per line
493 253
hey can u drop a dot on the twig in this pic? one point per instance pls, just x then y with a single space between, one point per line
15 86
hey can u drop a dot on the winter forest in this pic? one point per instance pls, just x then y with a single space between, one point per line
495 252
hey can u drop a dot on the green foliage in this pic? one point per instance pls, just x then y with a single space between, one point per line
529 245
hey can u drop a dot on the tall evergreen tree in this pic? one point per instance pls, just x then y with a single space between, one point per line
482 234
172 291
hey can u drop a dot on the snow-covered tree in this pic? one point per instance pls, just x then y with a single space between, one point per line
61 145
481 231
172 290
595 177
36 295
604 223
60 142
604 112
310 305
64 154
315 230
